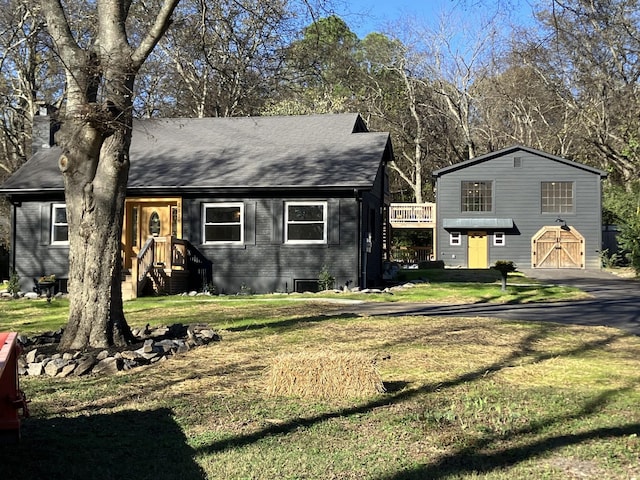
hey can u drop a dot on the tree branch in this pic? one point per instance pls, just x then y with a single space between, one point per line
161 25
58 28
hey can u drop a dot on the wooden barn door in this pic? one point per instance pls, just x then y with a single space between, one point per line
477 250
554 247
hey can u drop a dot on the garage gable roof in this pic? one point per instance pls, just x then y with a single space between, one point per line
512 150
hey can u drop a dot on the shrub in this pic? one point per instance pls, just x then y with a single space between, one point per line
504 267
325 279
14 284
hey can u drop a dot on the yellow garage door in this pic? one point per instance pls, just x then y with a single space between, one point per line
477 250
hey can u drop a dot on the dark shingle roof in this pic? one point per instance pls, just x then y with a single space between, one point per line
514 149
218 153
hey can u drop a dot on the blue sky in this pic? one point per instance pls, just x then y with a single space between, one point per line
366 16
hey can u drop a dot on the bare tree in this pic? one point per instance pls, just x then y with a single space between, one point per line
100 65
433 75
587 52
21 73
517 106
396 97
223 60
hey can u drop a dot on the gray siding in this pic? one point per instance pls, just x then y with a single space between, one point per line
34 254
516 195
264 263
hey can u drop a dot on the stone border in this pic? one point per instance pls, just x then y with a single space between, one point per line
157 345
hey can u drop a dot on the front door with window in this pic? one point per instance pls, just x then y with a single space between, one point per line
149 217
477 250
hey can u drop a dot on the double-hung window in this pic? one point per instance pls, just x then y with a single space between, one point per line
476 196
305 222
223 223
59 225
556 197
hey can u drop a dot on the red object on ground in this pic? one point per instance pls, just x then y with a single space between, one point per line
12 399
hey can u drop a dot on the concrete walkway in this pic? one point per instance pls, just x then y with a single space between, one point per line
615 303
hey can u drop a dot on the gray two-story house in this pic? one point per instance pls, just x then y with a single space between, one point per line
520 204
258 204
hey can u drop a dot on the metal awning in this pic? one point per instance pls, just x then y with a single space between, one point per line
485 223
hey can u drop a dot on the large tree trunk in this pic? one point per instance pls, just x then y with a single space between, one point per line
95 206
95 139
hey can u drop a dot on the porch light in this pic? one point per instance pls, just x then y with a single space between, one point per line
564 225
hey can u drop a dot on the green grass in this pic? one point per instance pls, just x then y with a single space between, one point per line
467 398
444 286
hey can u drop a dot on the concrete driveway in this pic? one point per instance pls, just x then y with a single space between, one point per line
615 303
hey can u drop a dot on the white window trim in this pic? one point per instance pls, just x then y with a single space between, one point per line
499 239
222 205
324 223
455 239
561 208
54 207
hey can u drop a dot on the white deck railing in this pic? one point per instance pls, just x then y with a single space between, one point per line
412 213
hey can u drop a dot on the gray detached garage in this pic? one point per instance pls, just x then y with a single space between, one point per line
519 204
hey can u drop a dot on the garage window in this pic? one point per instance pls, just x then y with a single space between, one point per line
556 197
477 196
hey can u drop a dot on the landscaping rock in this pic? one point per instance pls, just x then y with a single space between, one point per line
108 366
53 367
85 365
148 346
102 355
67 370
35 369
157 344
30 357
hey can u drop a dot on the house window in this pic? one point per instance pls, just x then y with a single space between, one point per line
223 223
499 239
134 226
174 221
455 238
477 196
59 225
556 197
305 222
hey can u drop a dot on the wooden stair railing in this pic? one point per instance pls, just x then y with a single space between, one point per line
142 265
199 267
170 254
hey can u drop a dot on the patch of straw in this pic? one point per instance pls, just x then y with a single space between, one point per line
324 374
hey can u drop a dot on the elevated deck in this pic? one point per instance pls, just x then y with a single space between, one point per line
412 215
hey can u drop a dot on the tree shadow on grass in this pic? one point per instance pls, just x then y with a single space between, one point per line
128 444
290 323
475 457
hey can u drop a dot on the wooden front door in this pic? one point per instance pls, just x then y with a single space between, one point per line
555 247
149 217
477 250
